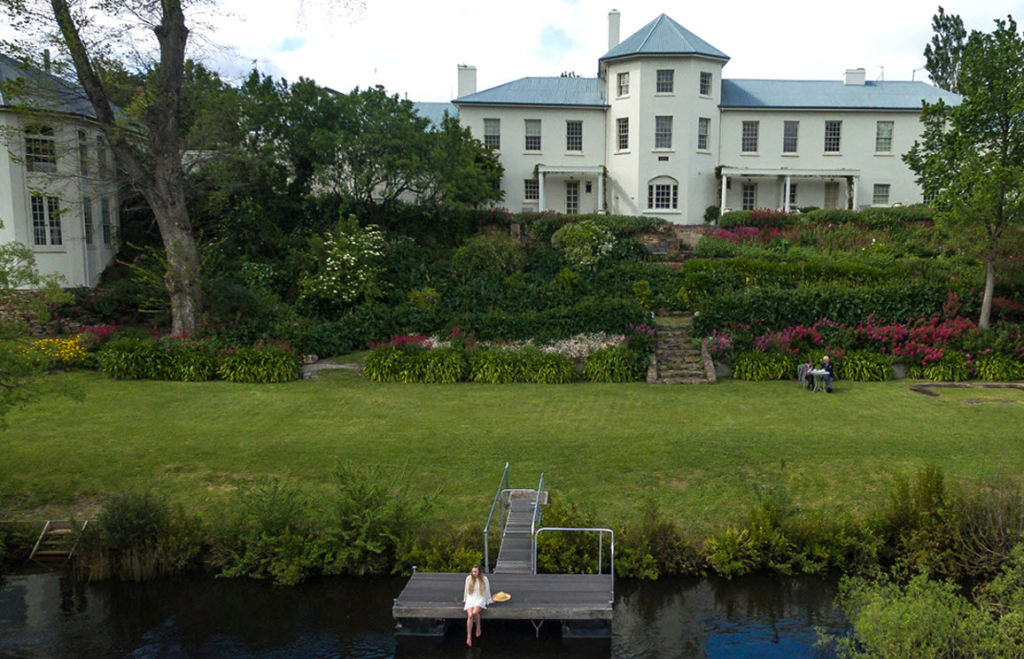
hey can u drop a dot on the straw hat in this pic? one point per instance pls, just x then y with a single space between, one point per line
502 597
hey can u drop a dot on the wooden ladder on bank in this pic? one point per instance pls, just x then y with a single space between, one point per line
57 542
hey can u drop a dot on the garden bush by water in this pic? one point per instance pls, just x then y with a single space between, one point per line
46 615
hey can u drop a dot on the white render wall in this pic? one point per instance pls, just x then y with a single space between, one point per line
631 170
857 152
78 262
521 164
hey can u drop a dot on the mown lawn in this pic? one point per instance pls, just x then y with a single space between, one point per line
700 450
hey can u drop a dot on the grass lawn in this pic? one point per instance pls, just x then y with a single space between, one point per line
700 450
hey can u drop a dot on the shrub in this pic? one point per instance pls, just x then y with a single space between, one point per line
951 367
394 364
997 367
615 364
759 366
498 367
139 537
585 242
263 363
444 365
492 255
267 533
549 368
372 520
863 366
192 362
761 217
133 359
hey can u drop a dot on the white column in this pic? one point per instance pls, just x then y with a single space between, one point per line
540 190
600 192
785 205
725 182
854 191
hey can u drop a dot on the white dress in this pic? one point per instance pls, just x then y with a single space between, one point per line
477 598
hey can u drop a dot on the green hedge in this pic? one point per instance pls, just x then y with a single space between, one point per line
774 309
759 366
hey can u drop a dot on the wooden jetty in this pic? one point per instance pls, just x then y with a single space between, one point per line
580 603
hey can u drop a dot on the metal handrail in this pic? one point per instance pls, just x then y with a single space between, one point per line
600 546
502 486
537 508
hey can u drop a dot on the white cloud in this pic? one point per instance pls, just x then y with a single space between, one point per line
413 47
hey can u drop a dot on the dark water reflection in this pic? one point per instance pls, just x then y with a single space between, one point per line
45 615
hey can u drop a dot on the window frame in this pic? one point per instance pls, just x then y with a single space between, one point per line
790 140
663 131
792 196
531 189
87 221
833 136
663 194
622 84
881 194
535 146
106 224
750 137
45 213
663 85
705 84
41 149
574 137
880 139
622 133
492 140
703 133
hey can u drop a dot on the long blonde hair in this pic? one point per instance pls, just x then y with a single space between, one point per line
476 581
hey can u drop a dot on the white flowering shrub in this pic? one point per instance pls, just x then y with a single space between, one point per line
584 243
349 264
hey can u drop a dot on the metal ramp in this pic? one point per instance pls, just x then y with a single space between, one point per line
519 512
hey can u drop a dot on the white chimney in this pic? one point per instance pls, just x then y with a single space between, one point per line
613 28
467 80
854 77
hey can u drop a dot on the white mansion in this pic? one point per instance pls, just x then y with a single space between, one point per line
660 131
58 189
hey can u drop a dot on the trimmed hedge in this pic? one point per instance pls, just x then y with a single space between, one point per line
773 309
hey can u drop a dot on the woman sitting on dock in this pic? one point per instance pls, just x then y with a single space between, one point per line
477 595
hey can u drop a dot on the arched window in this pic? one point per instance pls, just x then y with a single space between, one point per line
663 193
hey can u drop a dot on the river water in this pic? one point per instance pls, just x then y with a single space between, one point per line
47 615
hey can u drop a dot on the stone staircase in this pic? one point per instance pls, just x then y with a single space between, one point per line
676 360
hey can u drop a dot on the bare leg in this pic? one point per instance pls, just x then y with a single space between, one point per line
469 628
477 617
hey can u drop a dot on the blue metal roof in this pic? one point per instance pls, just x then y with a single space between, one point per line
42 90
587 92
827 94
434 112
663 36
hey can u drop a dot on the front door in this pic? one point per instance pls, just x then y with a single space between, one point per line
832 195
572 197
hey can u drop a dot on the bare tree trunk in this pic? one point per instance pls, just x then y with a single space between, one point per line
990 286
152 160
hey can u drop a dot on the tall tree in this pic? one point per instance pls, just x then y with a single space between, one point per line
145 136
942 56
971 156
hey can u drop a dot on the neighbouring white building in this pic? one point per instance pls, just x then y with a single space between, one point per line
660 132
58 187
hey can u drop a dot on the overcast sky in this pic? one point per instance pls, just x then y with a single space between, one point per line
413 47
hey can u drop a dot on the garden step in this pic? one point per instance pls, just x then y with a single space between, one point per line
683 380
